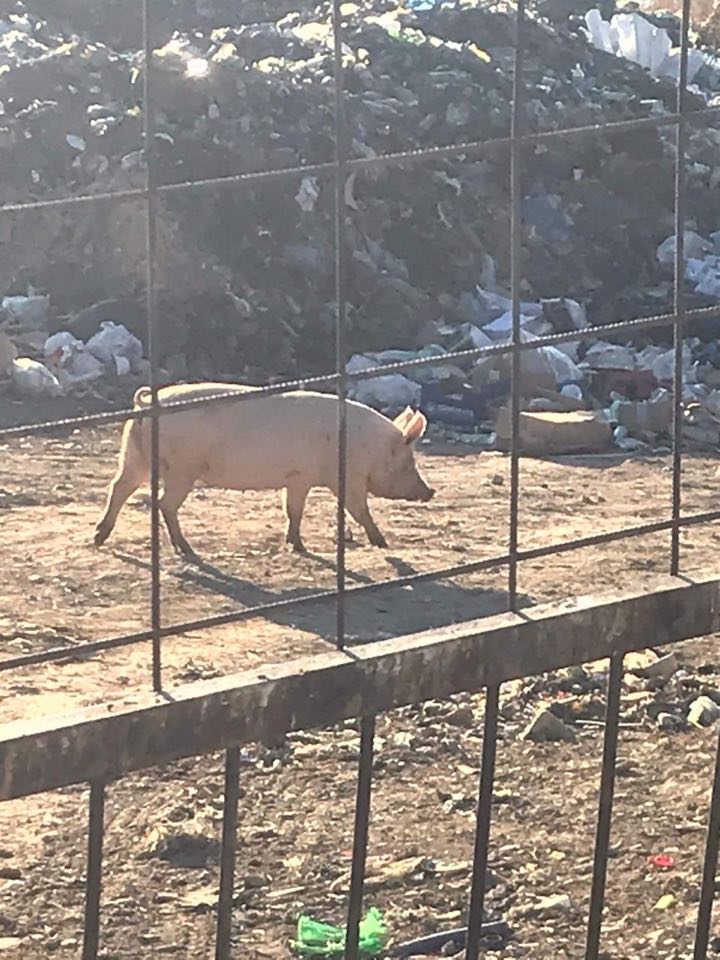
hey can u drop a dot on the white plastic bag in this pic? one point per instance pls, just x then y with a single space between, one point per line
382 392
114 341
34 379
68 359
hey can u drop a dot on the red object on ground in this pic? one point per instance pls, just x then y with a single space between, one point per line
663 861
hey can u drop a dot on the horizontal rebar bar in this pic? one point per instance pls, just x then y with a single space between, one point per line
331 379
443 573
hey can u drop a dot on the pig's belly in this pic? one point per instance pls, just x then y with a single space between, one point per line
234 473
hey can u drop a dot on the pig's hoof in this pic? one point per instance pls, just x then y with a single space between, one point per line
297 546
379 541
185 551
101 536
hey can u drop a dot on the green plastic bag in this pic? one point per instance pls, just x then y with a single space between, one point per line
315 939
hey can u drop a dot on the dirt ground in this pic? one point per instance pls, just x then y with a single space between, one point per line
296 808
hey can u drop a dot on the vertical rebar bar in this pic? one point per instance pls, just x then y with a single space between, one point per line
360 838
340 348
482 828
707 890
229 845
679 297
515 279
150 250
605 803
93 882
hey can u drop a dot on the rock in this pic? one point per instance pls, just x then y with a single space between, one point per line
190 844
388 874
462 717
546 726
10 873
663 668
200 901
703 712
10 943
547 908
669 722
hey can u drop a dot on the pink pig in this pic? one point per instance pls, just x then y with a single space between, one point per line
285 441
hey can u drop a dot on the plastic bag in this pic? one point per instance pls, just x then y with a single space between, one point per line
69 360
390 392
34 379
113 344
316 939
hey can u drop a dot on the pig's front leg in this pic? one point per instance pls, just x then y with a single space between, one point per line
294 497
357 505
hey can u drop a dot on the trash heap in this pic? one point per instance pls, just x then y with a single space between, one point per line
580 396
245 273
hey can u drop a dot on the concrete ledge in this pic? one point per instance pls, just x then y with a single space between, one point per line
105 742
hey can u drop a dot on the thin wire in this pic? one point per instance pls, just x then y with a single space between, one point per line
340 324
399 158
151 253
331 379
515 277
679 295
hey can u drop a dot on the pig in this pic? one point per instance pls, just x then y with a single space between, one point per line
286 441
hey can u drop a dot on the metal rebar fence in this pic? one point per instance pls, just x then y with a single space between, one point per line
340 168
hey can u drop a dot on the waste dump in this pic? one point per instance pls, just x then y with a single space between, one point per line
245 275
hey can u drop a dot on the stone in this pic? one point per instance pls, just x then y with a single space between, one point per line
546 726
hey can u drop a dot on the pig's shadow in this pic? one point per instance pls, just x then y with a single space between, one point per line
371 615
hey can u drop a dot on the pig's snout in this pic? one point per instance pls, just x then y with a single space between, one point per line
421 491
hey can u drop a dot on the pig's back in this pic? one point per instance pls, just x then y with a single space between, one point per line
270 441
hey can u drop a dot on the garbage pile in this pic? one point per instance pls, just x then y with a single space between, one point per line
246 272
580 396
61 363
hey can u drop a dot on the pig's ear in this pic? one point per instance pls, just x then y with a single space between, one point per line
404 418
415 428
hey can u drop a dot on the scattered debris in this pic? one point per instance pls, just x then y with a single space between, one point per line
556 433
703 712
545 726
321 939
546 908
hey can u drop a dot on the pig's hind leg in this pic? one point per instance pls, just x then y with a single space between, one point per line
175 490
132 472
293 498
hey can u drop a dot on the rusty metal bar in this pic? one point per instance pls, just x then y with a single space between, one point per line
515 279
93 882
442 573
151 253
340 317
469 148
223 950
99 743
679 294
482 829
710 862
360 837
589 333
607 789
